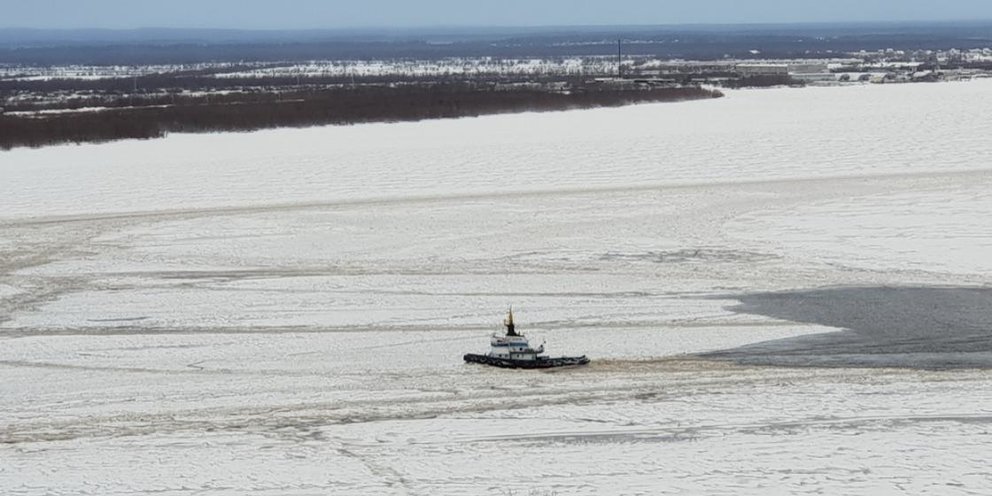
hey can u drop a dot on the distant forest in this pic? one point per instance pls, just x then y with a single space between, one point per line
298 108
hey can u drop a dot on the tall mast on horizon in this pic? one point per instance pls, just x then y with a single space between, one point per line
619 58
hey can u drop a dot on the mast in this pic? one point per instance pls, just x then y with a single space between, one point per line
510 329
619 58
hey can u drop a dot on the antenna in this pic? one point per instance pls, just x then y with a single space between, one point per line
619 58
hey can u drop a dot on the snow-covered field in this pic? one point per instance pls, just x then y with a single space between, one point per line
484 66
284 312
95 72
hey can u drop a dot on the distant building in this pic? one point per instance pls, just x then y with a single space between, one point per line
882 78
808 68
638 83
817 77
762 69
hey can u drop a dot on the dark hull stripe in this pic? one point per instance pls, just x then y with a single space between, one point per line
542 363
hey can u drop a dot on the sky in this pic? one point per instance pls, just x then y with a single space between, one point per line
338 14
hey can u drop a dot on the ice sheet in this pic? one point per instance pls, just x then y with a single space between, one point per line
284 312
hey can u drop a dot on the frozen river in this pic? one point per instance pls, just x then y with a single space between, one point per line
284 312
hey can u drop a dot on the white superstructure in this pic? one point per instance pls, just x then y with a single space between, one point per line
513 346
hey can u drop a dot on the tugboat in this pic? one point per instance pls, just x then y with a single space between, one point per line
513 351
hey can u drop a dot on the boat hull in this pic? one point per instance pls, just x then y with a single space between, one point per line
540 363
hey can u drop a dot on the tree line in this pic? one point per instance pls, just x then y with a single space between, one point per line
345 105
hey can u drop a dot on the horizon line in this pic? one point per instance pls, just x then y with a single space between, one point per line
428 27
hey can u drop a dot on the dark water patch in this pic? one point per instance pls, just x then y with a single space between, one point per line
907 327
